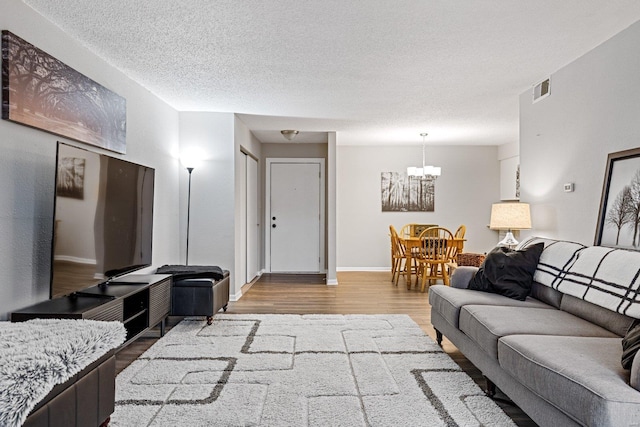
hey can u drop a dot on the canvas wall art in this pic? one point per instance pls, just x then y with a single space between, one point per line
42 92
619 216
402 193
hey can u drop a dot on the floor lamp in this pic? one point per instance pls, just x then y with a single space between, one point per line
190 169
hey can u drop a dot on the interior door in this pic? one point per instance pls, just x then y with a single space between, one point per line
252 224
295 217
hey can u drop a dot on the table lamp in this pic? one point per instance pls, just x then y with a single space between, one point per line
510 216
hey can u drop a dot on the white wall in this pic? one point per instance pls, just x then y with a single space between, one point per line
464 193
593 110
28 161
212 225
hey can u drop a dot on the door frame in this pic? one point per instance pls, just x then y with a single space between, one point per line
267 210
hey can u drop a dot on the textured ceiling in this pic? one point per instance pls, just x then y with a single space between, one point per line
375 71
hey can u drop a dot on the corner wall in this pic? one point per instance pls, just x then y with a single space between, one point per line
592 110
27 166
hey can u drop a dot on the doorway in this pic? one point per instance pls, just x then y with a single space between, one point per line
294 208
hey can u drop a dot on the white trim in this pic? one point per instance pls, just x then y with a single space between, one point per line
332 282
267 207
236 296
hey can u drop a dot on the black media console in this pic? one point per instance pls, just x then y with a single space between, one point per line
140 301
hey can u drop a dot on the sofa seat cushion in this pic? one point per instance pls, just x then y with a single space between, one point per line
485 325
448 301
581 376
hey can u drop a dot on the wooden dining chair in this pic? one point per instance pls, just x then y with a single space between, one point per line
405 231
458 236
436 250
398 255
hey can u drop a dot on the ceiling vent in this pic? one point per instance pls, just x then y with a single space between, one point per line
542 90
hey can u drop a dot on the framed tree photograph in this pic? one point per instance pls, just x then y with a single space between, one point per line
619 215
402 193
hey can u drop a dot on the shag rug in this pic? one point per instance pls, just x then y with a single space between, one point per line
38 354
291 370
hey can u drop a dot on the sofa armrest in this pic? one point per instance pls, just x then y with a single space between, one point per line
461 277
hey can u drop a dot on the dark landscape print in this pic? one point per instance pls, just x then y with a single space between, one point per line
40 91
402 193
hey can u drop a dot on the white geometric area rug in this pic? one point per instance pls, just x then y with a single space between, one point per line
291 370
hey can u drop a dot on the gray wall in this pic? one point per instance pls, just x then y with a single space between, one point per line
464 193
593 110
28 157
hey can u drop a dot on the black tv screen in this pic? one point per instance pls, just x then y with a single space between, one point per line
103 219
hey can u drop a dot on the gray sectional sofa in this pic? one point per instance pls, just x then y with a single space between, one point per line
557 354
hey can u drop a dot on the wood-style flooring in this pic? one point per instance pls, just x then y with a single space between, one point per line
357 293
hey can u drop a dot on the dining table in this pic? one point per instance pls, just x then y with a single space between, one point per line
413 245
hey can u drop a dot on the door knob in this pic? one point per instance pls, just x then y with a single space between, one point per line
274 226
274 218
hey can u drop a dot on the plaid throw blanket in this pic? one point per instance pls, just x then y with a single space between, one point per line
603 276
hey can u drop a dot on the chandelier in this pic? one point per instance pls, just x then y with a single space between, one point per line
424 171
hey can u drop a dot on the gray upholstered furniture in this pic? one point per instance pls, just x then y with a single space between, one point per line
200 296
557 354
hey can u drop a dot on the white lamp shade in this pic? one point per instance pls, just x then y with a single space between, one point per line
421 172
432 170
510 216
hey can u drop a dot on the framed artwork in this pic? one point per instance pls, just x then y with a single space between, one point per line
402 193
619 215
70 181
42 92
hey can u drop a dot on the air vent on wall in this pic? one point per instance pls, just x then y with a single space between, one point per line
541 90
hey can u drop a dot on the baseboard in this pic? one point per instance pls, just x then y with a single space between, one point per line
236 296
332 282
363 269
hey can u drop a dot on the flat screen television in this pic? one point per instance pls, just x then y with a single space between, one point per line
103 219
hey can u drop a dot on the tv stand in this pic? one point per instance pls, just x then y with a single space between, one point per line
140 302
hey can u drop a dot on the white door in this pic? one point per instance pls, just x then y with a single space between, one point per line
252 224
295 215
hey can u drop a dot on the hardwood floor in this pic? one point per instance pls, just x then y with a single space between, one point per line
357 293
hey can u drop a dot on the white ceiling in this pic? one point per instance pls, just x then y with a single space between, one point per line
375 71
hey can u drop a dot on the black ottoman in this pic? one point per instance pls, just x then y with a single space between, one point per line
200 296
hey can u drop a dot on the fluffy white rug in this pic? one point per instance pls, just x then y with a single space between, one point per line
38 354
291 370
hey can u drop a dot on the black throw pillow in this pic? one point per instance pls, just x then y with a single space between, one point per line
630 344
508 272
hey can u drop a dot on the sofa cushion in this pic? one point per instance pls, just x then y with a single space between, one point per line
508 272
581 376
448 301
614 322
485 325
546 294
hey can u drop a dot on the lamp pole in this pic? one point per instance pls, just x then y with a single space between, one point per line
190 169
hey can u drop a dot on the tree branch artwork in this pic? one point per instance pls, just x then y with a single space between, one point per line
619 218
40 91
